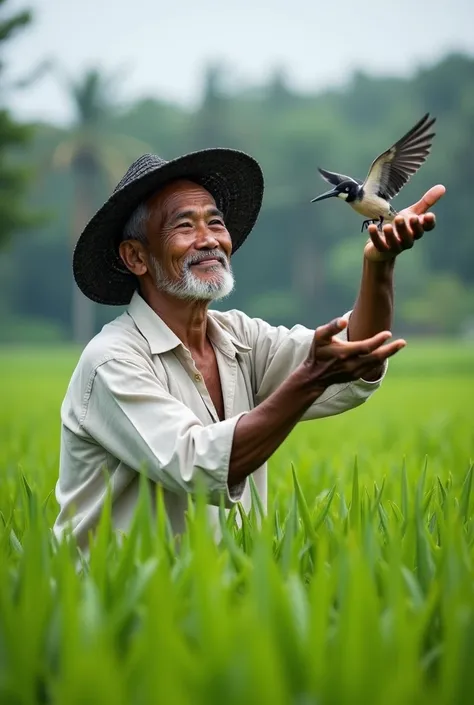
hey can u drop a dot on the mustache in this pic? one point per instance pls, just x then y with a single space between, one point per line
200 256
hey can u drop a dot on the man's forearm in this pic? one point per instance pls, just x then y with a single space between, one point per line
330 361
259 433
373 309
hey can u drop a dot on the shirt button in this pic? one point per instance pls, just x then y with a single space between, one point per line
197 377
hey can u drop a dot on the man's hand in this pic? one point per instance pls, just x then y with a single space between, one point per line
262 430
333 361
409 225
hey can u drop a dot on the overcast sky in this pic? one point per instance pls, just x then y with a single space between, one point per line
166 44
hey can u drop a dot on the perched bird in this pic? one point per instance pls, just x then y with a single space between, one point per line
388 173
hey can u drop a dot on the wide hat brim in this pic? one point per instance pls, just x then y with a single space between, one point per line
233 178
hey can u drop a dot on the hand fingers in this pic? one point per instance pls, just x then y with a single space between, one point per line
347 349
429 221
378 239
378 357
417 228
365 347
334 370
385 351
431 197
409 231
326 332
402 233
396 239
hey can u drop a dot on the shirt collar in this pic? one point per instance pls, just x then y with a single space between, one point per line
223 339
161 338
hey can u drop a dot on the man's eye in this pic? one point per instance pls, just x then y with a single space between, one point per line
184 225
216 222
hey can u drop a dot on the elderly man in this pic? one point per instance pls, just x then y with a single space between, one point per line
189 396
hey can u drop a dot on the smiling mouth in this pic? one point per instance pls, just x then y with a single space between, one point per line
205 262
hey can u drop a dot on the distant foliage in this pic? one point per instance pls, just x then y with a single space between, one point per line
303 261
14 137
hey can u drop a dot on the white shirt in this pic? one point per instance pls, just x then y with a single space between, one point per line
137 403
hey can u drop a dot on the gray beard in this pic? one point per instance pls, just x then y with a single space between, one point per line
192 288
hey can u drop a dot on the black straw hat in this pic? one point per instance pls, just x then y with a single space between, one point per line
233 178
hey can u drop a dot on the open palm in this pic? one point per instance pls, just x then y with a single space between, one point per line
409 225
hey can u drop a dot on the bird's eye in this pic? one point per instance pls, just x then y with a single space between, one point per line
347 189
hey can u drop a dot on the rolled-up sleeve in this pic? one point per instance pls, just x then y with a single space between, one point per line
131 415
279 351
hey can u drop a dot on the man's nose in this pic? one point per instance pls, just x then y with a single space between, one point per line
205 237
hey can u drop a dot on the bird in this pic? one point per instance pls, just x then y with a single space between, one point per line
388 173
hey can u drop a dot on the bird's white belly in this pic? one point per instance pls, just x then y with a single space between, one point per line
373 207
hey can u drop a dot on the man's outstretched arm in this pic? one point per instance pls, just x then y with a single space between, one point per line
373 310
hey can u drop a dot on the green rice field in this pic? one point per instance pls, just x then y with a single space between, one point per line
356 587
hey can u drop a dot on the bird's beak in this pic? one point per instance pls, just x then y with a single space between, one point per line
328 194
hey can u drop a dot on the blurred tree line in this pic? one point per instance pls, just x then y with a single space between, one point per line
303 261
14 177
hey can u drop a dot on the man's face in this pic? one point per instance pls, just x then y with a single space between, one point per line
189 246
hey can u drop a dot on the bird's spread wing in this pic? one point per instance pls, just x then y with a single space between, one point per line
391 170
335 179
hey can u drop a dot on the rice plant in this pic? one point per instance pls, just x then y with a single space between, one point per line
356 586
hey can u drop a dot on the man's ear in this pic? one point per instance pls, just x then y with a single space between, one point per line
133 256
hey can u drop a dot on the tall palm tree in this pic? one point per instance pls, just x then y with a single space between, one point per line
97 157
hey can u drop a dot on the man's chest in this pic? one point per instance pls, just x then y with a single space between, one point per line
214 389
209 370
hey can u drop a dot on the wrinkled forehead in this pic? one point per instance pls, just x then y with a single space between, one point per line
180 195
